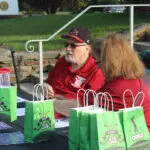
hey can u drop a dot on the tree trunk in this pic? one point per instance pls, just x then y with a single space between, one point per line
53 9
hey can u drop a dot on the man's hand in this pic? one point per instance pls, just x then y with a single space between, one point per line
59 97
48 90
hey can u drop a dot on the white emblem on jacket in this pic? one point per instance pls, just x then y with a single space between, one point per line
78 81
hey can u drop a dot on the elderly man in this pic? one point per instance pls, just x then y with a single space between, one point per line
77 69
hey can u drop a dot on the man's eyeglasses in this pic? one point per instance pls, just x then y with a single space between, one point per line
73 45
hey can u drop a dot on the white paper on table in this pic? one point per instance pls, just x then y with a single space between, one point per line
19 100
20 111
4 126
60 123
11 138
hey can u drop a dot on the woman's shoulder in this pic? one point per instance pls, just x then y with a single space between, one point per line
120 84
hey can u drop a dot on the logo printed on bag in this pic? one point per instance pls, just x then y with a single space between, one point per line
137 135
111 137
78 81
112 140
3 107
134 125
44 122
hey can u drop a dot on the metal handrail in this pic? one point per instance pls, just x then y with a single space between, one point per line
30 47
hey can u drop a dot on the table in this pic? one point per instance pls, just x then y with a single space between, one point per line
59 140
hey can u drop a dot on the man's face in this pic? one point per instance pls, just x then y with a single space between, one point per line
76 52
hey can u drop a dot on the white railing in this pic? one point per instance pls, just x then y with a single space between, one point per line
30 47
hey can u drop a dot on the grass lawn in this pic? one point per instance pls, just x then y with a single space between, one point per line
15 32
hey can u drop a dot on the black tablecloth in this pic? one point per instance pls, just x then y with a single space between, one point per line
57 143
57 140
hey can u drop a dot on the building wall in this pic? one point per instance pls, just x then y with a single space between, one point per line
27 64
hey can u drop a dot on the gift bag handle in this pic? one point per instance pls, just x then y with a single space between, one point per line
133 98
35 92
137 98
78 101
87 97
124 102
105 97
112 104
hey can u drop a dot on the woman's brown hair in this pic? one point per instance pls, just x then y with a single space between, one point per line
117 58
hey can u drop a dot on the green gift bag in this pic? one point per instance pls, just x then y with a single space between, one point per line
84 130
85 126
74 130
106 130
134 125
74 121
39 120
8 102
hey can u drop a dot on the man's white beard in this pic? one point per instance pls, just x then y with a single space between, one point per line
70 59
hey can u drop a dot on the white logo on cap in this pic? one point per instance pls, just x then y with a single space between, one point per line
75 32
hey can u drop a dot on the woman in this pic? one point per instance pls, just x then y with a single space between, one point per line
123 70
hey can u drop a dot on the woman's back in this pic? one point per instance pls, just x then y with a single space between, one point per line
116 88
123 70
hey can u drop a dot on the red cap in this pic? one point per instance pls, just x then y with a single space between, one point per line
82 35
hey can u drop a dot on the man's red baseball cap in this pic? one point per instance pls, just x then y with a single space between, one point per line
80 34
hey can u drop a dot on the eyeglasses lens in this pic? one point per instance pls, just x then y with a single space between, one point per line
72 45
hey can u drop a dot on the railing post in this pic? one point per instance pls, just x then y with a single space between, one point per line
131 25
41 62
